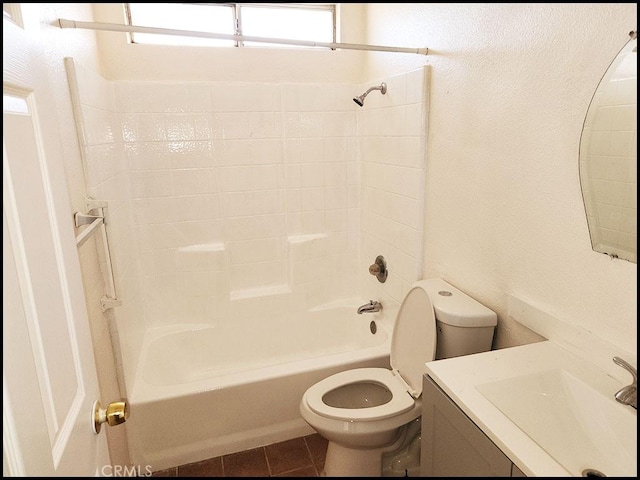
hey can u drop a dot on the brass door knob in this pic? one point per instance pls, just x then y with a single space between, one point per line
115 414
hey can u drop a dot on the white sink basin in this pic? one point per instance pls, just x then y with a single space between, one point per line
584 431
550 410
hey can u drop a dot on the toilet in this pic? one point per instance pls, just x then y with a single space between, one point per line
365 413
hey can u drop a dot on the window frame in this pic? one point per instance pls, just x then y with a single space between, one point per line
237 18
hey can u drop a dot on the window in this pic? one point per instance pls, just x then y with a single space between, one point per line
309 22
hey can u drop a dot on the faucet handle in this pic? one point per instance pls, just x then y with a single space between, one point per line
628 367
379 269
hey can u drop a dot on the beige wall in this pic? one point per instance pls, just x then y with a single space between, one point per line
510 88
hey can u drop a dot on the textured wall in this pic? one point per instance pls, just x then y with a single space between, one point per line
510 87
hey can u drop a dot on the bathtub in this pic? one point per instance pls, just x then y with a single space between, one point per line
204 391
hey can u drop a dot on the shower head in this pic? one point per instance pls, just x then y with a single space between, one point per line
360 100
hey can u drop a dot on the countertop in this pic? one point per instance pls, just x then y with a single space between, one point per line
459 377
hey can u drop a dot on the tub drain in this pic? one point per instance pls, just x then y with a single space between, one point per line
589 472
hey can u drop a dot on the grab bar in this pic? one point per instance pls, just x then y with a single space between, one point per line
94 222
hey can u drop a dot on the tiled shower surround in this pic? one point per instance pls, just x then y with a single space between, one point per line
240 192
240 202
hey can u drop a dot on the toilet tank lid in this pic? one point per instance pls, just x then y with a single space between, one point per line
456 308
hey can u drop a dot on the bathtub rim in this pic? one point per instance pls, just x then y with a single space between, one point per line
142 391
217 441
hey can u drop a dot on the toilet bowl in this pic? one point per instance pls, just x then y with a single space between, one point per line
363 412
362 407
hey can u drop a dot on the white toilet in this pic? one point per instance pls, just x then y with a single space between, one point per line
364 412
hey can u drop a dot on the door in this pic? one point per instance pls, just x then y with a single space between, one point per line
49 374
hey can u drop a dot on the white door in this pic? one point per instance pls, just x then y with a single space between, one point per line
49 380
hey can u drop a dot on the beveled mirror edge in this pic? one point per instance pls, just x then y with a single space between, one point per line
624 237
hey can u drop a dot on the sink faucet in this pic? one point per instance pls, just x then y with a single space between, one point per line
627 395
370 307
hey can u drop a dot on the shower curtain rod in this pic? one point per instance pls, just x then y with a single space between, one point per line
115 27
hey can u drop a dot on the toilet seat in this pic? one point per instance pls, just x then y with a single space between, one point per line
401 401
413 343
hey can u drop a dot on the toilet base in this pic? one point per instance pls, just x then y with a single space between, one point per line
405 460
350 462
400 456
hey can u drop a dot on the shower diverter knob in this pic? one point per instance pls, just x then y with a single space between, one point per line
379 269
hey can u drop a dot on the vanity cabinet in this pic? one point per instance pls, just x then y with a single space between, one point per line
452 445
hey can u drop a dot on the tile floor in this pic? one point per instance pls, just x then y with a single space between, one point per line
299 457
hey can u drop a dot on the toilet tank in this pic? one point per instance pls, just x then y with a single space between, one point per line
464 326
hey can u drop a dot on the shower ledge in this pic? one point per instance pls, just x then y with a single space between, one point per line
203 247
266 291
297 239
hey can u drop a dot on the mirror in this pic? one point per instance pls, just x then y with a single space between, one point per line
608 158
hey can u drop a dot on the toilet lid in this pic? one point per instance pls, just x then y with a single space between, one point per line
400 401
414 337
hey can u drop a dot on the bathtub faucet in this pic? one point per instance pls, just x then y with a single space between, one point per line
370 307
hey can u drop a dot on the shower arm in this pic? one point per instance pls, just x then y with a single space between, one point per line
360 100
382 88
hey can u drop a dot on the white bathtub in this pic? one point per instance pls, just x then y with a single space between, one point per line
203 391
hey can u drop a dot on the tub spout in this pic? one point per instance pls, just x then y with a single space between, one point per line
370 307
